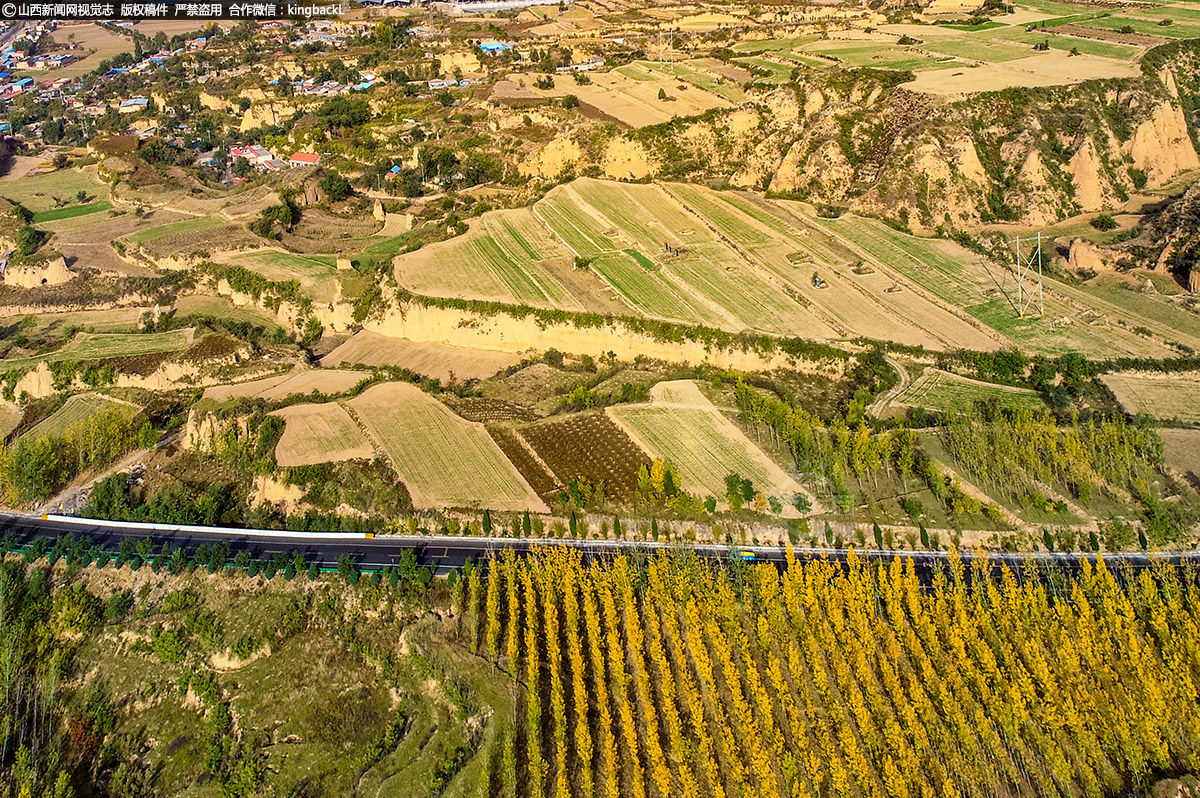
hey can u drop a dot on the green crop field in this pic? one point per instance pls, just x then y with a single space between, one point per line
683 426
443 460
941 391
1148 27
697 75
737 297
101 346
174 228
1068 43
977 48
780 73
721 258
981 26
770 45
506 256
78 408
922 261
882 56
71 211
987 292
38 192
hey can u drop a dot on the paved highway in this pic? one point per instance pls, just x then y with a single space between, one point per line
444 553
10 35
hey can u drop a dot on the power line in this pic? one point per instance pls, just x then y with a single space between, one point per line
1030 297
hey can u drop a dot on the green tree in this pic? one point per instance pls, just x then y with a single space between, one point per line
147 437
334 186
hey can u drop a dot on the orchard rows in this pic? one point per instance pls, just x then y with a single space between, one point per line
672 679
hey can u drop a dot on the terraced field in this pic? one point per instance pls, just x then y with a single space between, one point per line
319 433
681 425
788 246
301 382
735 261
443 460
101 346
1073 321
317 274
42 193
944 392
1168 397
504 257
79 408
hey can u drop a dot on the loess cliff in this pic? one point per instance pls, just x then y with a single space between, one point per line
860 141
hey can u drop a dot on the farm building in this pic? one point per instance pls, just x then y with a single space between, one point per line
133 105
304 159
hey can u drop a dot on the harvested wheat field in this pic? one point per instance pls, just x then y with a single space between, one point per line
1181 450
322 433
281 386
629 94
443 460
1052 68
439 361
681 425
1169 397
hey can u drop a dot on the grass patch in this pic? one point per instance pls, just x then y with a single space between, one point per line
71 211
39 192
642 260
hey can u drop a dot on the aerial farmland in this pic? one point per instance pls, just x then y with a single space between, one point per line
601 398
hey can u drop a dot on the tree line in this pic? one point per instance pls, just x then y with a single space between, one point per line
34 467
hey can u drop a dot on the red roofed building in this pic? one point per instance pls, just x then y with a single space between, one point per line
304 159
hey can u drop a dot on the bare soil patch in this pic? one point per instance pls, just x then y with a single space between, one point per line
440 361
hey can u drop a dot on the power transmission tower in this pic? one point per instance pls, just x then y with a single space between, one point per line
1030 296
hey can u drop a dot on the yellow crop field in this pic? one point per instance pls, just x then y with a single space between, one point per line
440 361
443 460
280 386
1169 397
321 433
680 424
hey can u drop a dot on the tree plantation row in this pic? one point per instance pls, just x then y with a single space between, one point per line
665 677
